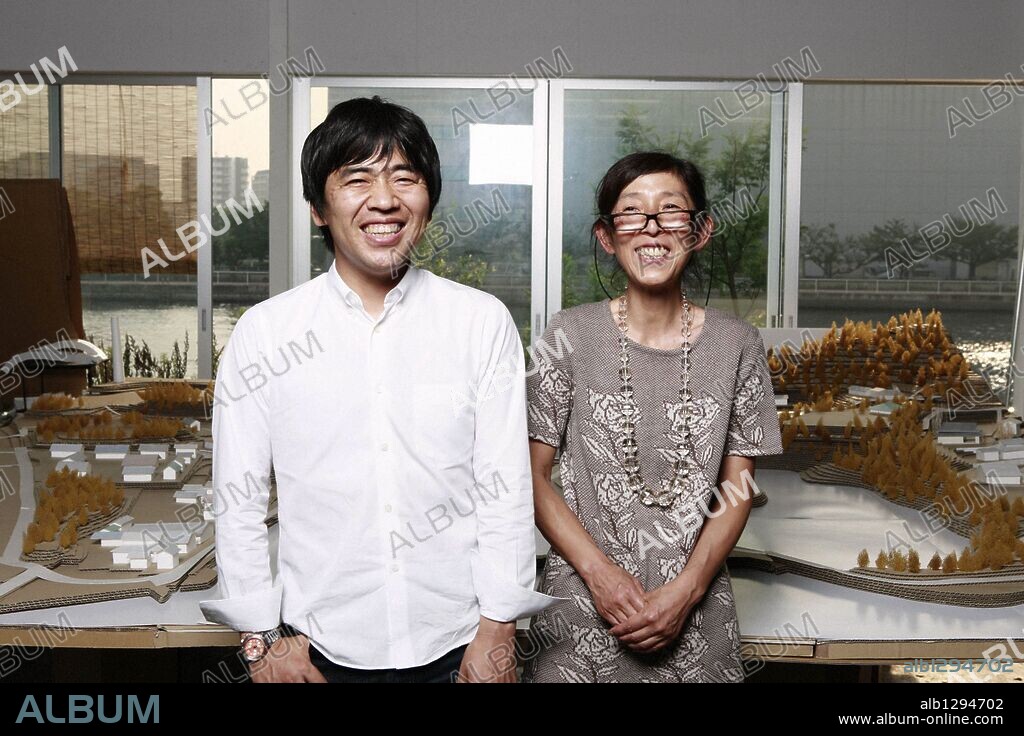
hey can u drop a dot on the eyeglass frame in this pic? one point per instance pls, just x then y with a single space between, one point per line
609 219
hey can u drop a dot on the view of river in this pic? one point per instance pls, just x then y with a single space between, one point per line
159 326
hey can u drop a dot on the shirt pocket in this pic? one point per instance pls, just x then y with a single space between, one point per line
442 417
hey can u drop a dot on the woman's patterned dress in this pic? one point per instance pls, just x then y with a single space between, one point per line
574 404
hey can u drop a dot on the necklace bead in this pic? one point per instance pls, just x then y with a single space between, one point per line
681 482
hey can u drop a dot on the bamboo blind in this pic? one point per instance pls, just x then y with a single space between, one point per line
129 170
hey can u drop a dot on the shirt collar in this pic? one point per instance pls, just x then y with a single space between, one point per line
397 293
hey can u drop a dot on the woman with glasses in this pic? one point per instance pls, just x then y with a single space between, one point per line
656 408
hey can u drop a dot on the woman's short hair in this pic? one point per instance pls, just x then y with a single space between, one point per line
360 129
635 165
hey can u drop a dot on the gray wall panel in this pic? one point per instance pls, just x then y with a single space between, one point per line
698 39
148 36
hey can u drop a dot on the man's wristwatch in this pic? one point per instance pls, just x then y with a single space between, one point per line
256 644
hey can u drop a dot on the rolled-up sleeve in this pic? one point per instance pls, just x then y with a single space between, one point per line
249 600
504 564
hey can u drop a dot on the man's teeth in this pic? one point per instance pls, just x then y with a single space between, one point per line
382 228
653 251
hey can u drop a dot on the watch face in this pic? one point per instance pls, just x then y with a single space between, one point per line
254 648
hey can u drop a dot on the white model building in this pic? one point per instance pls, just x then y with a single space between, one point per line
187 451
111 452
988 454
138 468
80 467
141 546
110 535
1012 449
64 449
77 457
873 392
188 497
164 556
959 433
76 463
158 449
1004 472
123 555
174 469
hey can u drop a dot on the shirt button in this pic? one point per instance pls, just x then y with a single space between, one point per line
387 507
394 568
380 389
384 446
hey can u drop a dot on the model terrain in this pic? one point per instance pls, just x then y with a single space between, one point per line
894 411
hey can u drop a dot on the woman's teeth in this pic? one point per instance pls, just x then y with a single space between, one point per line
652 251
381 228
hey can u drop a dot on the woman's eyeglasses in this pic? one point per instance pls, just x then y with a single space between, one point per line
629 222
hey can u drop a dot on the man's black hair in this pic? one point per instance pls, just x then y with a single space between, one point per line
366 128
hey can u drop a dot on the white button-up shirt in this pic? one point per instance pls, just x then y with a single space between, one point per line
400 454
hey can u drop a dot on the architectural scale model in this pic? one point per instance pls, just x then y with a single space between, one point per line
955 534
109 495
105 497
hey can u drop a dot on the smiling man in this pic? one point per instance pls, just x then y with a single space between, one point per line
405 517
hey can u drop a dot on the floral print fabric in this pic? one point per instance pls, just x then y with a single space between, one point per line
574 405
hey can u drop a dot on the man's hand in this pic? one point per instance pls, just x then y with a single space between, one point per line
661 620
617 594
491 656
286 661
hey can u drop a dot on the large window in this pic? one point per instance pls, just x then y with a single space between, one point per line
129 155
602 125
480 234
905 207
239 124
908 197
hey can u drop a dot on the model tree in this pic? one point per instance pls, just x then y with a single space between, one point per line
882 561
949 564
935 563
898 560
913 561
863 558
56 402
64 505
969 562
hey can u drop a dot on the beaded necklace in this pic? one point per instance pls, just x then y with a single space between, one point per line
681 483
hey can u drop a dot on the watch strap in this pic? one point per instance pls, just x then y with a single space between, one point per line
268 637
